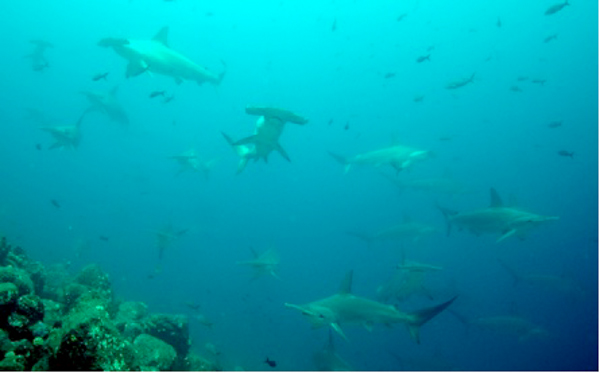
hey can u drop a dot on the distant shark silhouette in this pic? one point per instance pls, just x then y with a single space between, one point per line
66 137
190 160
155 56
498 219
264 263
344 307
327 360
108 104
38 59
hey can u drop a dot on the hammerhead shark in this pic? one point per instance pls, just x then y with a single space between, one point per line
166 236
327 360
407 230
66 137
107 103
264 263
265 139
190 160
399 157
344 307
155 56
38 60
497 218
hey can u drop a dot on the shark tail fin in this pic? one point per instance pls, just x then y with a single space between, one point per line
447 215
341 160
418 318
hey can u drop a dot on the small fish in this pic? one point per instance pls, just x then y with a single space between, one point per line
498 23
271 363
99 76
103 238
564 153
168 99
389 75
515 88
55 203
419 98
334 25
556 8
38 146
330 122
423 58
554 124
522 78
209 14
538 81
550 38
401 17
157 93
347 126
445 138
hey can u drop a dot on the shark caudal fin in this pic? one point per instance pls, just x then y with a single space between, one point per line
418 318
341 160
448 214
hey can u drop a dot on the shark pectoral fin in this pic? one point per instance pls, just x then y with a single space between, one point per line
368 326
506 234
338 330
246 140
135 68
282 152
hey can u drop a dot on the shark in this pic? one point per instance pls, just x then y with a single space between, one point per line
434 185
495 219
327 359
461 83
269 127
66 137
190 160
347 308
407 230
166 236
156 56
551 283
108 104
399 157
510 325
406 281
38 59
264 263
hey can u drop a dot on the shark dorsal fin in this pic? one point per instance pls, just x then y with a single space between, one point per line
346 286
495 200
162 36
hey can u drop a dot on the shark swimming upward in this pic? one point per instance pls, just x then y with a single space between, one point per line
346 308
265 139
495 219
155 56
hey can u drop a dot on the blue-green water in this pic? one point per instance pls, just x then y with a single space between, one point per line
351 68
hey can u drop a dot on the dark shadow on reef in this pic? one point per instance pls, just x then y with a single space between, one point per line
50 321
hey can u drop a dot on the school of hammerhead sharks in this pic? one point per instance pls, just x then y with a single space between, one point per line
155 56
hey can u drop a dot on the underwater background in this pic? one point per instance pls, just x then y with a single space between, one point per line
353 69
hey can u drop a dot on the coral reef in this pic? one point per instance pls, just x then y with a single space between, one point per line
52 321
